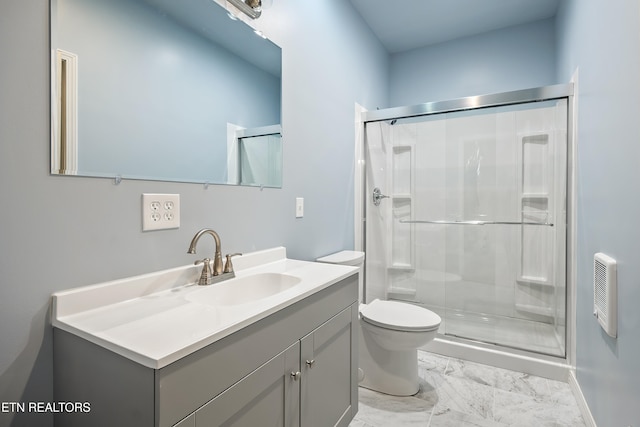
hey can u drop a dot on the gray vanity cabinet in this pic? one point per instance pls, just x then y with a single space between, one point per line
294 368
307 385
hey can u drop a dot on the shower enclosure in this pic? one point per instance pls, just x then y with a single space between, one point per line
466 213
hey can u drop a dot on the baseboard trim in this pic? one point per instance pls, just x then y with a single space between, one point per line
582 403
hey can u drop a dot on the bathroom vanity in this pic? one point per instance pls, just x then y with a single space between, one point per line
157 350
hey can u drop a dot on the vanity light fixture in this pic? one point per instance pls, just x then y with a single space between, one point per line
252 8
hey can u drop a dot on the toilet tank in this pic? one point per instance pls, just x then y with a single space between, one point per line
353 258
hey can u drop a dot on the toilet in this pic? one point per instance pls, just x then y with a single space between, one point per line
390 333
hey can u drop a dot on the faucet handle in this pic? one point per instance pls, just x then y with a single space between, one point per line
205 276
228 266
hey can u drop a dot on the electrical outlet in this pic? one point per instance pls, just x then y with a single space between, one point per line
160 211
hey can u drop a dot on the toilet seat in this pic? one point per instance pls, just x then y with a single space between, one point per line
399 316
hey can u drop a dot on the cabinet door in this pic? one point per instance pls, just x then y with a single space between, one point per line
329 389
190 421
269 396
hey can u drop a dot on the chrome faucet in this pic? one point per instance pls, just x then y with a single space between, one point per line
216 273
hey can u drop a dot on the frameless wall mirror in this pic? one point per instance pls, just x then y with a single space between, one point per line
149 89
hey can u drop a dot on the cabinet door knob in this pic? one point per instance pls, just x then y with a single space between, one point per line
310 363
295 375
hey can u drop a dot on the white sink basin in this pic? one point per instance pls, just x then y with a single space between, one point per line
243 290
157 318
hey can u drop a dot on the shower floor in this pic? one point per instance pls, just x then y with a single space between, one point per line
509 332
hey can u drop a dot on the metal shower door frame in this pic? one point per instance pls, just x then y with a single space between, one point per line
539 94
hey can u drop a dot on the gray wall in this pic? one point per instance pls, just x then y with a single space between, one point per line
61 232
601 40
497 61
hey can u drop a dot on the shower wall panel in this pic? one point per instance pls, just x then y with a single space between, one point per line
430 176
377 237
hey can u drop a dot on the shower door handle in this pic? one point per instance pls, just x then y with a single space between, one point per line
378 196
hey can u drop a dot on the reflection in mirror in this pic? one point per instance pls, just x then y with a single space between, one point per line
147 89
259 157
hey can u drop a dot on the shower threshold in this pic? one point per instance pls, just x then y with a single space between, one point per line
520 345
521 334
528 336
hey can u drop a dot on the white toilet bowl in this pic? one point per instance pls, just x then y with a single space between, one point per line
390 333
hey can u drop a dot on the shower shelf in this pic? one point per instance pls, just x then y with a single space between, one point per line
534 281
534 309
401 267
538 217
401 196
535 196
396 292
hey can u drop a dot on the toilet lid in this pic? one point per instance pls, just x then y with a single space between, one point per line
343 258
399 316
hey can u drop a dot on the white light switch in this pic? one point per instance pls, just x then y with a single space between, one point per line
299 207
160 211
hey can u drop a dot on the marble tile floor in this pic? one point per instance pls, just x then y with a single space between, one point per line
456 393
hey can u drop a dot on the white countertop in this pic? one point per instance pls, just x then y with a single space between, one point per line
150 320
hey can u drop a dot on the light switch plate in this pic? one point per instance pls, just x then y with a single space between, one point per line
299 207
160 211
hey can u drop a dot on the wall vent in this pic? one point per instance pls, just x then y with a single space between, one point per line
605 295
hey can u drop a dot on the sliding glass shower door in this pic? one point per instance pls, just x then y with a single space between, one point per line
466 216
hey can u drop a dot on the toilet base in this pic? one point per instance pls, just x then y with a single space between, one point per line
389 372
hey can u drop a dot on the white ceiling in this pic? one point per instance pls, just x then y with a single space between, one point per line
408 24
